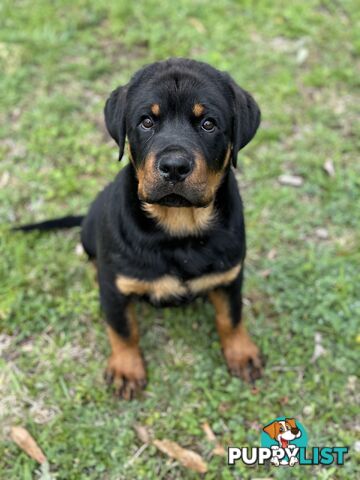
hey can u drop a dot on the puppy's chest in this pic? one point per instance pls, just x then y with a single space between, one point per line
170 287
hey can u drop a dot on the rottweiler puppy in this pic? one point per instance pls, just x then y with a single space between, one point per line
170 227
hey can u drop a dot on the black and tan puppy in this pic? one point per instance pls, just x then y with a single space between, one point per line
170 227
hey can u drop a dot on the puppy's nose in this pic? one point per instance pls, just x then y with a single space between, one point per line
295 431
175 168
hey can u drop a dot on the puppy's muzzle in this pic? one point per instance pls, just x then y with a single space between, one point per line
174 167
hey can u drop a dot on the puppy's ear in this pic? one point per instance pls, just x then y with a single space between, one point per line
114 112
291 422
246 119
270 430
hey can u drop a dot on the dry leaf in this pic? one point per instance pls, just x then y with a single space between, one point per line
210 435
4 180
219 450
79 250
319 350
291 180
266 273
26 442
329 167
272 254
301 55
322 233
142 433
188 458
199 26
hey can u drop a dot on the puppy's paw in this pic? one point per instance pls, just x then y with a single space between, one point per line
243 358
126 372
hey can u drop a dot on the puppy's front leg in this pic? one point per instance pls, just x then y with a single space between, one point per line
241 354
125 369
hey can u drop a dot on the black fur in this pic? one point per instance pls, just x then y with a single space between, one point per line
69 221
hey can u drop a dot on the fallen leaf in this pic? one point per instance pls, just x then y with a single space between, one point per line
291 180
308 410
79 250
210 435
219 450
265 273
322 233
319 350
329 167
199 26
188 458
272 254
4 179
27 443
142 433
301 55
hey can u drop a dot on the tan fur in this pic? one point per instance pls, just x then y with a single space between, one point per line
125 364
155 109
227 158
144 173
169 286
237 345
181 221
198 109
162 288
213 280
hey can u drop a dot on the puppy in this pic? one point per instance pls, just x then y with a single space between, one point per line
283 432
170 227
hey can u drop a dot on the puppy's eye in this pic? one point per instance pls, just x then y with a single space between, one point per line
281 429
147 123
208 125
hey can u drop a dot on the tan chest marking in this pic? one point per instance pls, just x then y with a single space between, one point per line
181 221
170 286
213 280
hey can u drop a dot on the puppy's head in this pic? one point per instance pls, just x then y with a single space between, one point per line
185 122
283 431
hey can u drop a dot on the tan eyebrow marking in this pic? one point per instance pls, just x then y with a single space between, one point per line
155 109
198 109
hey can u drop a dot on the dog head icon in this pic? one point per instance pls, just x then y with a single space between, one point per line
283 431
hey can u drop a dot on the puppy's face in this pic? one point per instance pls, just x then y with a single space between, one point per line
185 123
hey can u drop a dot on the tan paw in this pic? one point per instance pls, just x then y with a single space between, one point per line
243 358
126 372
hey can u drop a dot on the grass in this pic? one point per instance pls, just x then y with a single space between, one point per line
59 61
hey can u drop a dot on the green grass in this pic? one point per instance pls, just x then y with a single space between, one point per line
59 61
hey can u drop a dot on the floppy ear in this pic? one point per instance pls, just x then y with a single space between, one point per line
291 422
114 112
270 430
246 119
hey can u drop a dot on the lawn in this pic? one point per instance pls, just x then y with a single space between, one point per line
58 62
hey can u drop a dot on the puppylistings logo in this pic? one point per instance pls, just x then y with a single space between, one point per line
284 443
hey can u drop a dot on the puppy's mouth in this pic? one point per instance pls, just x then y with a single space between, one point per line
174 200
284 443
